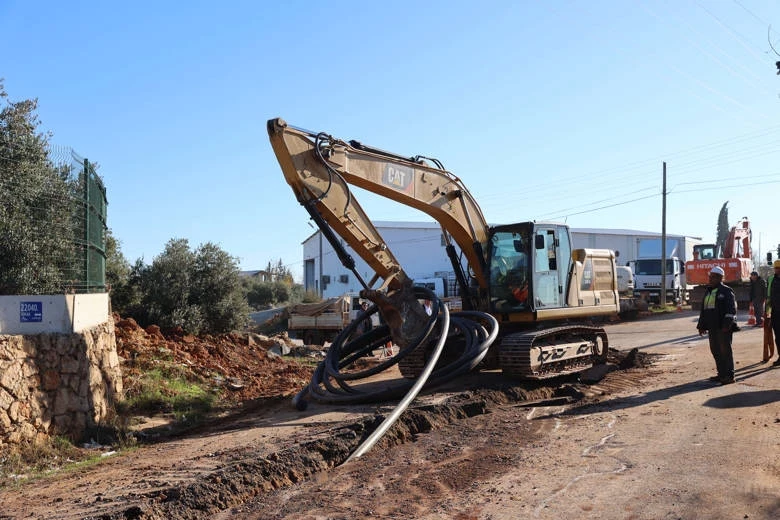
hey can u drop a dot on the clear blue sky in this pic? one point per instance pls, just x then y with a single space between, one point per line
561 110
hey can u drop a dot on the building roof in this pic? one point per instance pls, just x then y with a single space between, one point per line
634 232
384 224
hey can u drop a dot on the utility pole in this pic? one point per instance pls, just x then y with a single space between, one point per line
320 287
663 242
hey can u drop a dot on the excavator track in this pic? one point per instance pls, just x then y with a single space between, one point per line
413 364
539 354
552 352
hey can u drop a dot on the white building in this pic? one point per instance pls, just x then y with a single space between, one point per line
630 244
420 248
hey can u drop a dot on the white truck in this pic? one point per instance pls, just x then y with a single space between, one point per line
647 279
630 305
647 268
625 280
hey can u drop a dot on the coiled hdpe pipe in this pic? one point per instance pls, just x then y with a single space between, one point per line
329 385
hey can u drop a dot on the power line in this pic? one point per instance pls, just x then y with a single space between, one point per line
604 207
734 33
645 166
751 13
740 185
548 216
682 170
727 67
697 80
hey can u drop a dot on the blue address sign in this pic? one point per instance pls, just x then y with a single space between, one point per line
30 312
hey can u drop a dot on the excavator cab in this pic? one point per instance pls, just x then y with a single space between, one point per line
529 264
510 273
705 252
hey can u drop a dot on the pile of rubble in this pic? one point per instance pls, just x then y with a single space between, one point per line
247 365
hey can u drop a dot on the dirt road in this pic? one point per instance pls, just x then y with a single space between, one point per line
642 443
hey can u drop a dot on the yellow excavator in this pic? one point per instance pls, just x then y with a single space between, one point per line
532 297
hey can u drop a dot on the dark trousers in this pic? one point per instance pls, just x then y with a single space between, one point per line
776 330
720 346
758 310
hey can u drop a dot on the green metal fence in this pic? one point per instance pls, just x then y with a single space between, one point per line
52 221
89 227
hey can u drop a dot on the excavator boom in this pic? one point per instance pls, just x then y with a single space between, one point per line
738 242
320 170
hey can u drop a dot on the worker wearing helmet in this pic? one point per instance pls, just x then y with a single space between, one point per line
773 301
718 319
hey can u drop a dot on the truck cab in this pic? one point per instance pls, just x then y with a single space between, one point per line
647 280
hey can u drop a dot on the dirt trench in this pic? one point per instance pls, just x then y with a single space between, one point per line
251 473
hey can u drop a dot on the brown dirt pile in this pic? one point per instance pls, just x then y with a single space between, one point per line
240 363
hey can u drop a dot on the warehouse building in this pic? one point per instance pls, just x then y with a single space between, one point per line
420 248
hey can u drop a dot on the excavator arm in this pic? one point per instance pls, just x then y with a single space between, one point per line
320 169
738 242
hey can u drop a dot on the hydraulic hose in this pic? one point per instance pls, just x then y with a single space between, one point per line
476 330
332 384
410 395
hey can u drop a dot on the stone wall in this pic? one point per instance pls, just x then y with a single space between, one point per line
57 384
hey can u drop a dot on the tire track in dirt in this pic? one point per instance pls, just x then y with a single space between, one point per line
594 451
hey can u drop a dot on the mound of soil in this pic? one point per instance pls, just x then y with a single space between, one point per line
242 365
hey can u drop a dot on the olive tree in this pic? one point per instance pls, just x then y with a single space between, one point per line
166 288
36 233
216 289
122 279
199 290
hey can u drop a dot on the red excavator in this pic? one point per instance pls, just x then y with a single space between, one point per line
735 260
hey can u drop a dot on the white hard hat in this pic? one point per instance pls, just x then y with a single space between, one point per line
717 270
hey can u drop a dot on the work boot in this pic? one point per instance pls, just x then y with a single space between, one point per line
714 379
727 380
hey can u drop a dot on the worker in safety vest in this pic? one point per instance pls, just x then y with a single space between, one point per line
718 319
773 301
